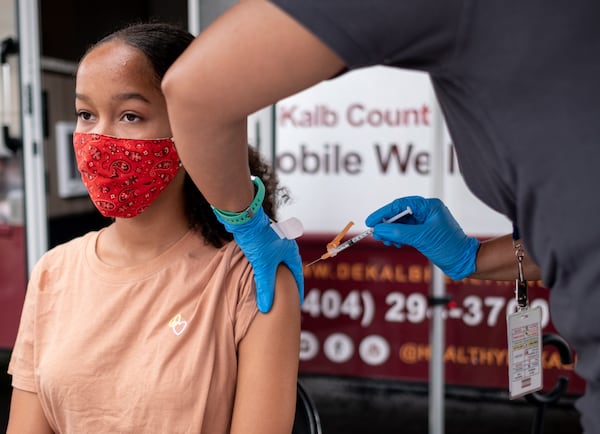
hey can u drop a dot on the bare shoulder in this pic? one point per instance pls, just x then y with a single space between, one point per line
268 362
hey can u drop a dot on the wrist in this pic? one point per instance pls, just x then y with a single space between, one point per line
467 262
238 218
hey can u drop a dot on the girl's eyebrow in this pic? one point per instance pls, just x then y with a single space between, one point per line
81 97
120 97
131 95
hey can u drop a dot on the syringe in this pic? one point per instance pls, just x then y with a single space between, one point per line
333 250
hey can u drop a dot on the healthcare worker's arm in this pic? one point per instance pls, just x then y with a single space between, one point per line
26 415
249 58
433 231
496 260
265 400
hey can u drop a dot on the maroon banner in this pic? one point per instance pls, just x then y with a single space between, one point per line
367 311
13 283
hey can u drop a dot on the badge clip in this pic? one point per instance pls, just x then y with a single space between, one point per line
524 337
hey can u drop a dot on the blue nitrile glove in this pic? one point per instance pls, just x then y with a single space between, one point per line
432 230
265 251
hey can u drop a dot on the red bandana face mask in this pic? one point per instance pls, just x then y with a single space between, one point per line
124 176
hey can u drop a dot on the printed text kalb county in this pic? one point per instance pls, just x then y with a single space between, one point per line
355 115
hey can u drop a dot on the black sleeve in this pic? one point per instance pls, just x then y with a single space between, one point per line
413 34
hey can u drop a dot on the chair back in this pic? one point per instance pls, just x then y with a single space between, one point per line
307 419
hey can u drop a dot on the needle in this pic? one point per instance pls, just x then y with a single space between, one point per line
334 247
316 260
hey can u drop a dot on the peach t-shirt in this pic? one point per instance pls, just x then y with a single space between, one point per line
147 348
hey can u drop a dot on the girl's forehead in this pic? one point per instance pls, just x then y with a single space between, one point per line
115 60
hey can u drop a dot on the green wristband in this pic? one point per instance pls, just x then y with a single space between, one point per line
237 218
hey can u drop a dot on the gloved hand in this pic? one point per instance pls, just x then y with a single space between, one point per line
432 230
265 251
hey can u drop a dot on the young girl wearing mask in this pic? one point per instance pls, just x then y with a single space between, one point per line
150 324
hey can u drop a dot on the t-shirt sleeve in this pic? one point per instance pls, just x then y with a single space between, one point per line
416 34
22 362
242 296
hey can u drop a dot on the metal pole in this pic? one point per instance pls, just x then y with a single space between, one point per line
437 332
6 104
194 24
33 140
436 362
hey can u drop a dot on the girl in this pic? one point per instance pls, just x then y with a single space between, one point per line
150 324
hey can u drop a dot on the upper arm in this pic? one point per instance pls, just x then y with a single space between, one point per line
26 414
265 399
249 58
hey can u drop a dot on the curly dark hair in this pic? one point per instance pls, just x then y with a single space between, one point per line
162 43
201 216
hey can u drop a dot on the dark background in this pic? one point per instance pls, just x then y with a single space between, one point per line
69 26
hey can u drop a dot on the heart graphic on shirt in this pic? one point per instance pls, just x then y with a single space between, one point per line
177 324
179 327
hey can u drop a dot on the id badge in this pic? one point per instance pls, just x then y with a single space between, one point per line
524 351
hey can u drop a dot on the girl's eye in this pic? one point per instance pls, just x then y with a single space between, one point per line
84 116
130 117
